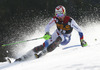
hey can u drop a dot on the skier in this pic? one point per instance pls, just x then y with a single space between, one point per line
62 35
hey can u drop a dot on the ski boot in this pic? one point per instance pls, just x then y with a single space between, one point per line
19 59
41 53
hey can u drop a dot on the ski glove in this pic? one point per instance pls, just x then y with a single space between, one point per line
47 36
83 43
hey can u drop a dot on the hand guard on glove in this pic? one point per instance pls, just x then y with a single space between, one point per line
47 36
83 43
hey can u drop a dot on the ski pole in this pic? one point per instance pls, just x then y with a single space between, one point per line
22 41
46 37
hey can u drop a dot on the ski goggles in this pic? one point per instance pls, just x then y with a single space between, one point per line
59 15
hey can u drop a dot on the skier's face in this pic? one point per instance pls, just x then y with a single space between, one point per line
60 17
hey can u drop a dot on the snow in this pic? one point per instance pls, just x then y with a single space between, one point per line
75 58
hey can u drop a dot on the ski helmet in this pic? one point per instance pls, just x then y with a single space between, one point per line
60 10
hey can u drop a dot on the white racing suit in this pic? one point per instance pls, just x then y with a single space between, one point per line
63 32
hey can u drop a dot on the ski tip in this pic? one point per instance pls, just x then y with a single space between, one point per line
8 59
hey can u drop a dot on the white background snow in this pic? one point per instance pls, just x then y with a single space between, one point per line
75 58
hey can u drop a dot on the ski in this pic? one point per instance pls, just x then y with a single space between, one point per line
10 60
71 46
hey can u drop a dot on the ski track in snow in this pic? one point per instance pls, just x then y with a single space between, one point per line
75 58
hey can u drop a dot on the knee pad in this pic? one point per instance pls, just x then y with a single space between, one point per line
51 47
56 43
38 48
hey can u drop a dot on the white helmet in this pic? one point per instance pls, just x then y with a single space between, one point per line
60 10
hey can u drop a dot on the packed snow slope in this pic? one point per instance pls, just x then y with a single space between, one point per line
63 58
